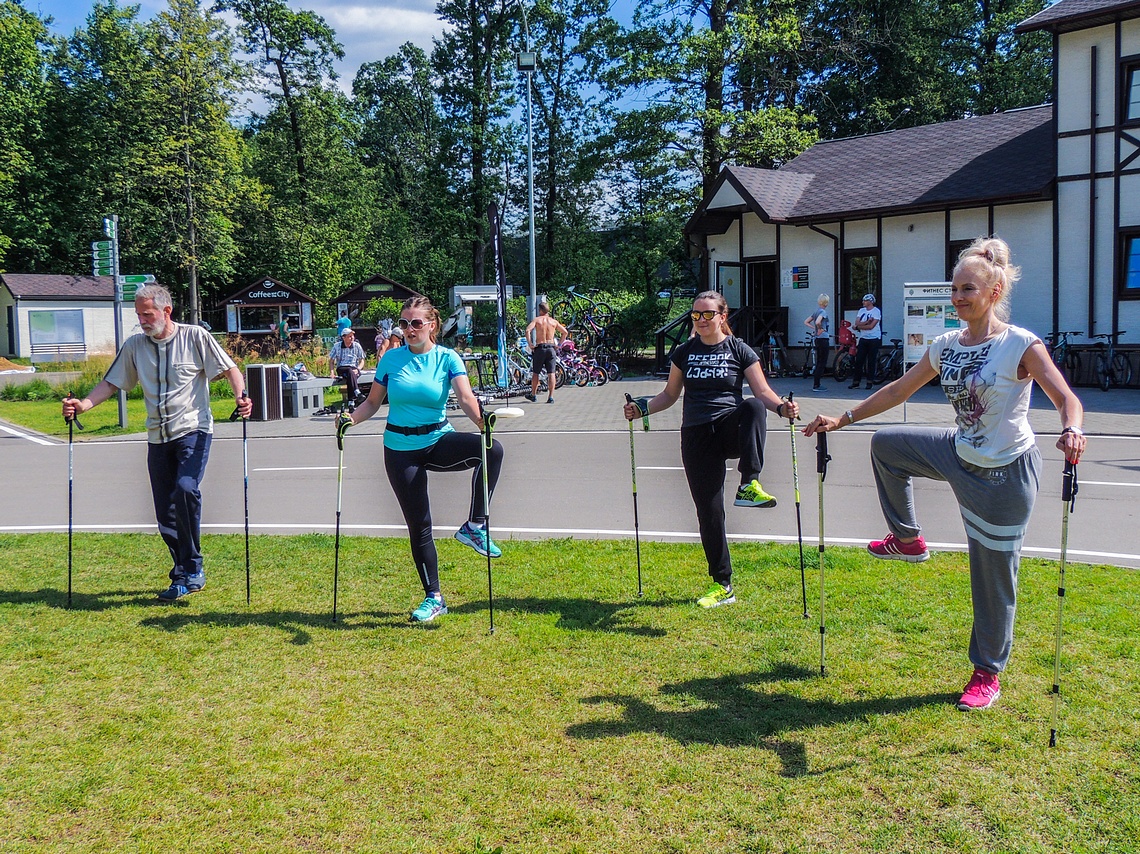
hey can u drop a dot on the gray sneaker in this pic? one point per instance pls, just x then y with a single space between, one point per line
194 583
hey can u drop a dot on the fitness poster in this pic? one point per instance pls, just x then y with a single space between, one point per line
927 313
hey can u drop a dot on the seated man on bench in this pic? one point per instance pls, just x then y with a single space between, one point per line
345 361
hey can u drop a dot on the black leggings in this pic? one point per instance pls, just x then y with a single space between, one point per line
407 472
705 448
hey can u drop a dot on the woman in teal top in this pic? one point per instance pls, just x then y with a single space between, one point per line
418 438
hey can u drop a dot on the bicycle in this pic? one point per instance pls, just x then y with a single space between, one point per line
1068 362
775 357
846 349
1110 367
809 357
576 306
890 364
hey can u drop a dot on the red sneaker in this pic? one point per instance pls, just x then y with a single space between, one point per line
981 691
891 548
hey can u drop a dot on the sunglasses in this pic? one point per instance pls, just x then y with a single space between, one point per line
703 315
416 323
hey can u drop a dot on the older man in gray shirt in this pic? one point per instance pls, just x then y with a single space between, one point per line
174 364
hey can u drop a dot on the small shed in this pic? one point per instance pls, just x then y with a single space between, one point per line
351 303
256 309
60 318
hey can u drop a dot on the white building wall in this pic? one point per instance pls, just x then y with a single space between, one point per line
759 236
799 247
968 224
98 323
914 250
861 234
722 248
726 197
1028 229
1073 256
1074 75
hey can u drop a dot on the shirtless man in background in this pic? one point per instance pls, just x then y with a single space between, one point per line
542 334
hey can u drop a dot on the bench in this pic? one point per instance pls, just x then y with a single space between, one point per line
74 352
363 382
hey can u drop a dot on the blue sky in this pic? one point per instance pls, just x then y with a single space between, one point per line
368 30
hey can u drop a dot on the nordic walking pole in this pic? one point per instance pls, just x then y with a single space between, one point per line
484 445
245 474
1069 501
821 460
633 473
799 523
72 421
343 422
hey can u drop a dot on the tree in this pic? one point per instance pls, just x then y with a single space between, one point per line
471 60
21 103
193 175
294 52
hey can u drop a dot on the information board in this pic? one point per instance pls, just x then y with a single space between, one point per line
927 313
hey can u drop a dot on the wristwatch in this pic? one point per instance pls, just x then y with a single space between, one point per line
1075 430
850 417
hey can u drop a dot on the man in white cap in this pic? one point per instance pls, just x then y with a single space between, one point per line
869 323
346 360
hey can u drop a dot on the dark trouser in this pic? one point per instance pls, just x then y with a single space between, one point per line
349 374
822 348
176 470
705 448
543 358
407 472
866 360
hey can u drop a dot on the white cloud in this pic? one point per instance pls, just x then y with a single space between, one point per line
372 32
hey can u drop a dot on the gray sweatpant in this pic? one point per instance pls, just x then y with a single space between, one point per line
995 505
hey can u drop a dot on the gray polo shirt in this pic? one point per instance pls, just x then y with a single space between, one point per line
175 376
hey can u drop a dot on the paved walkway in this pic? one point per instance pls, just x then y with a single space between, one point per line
1115 412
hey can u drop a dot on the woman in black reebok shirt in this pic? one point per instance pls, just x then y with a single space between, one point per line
718 424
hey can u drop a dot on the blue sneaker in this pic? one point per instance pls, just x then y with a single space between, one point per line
477 538
195 583
428 610
174 592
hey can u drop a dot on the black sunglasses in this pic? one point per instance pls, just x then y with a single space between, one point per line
416 323
703 315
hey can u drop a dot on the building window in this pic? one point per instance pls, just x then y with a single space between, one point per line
860 276
1130 94
953 250
1129 284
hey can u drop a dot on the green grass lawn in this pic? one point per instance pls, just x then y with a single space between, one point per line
44 416
591 721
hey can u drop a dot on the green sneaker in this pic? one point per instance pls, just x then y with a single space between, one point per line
753 495
718 595
428 610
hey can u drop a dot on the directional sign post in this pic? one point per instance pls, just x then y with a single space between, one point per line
105 262
129 285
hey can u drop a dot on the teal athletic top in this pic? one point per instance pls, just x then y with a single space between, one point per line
418 385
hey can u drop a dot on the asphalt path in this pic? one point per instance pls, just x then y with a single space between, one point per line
554 484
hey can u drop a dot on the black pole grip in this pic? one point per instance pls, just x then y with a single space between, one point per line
821 456
74 418
1069 484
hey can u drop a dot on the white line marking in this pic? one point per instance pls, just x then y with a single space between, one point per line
30 438
300 468
445 532
1104 483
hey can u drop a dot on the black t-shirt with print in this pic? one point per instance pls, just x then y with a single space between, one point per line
714 377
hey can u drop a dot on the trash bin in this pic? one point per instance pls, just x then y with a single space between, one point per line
263 382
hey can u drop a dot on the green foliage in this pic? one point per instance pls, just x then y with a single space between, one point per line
384 308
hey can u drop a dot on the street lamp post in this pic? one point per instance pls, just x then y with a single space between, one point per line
528 63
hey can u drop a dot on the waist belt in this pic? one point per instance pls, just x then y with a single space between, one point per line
416 431
545 344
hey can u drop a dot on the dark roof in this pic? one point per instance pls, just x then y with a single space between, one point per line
44 286
1068 15
999 158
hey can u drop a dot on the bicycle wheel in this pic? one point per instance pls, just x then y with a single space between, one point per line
1100 369
613 370
603 314
844 365
613 338
1121 370
1072 369
598 375
581 376
564 312
559 376
583 338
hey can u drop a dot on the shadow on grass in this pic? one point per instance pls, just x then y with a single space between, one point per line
297 623
735 715
103 601
578 614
